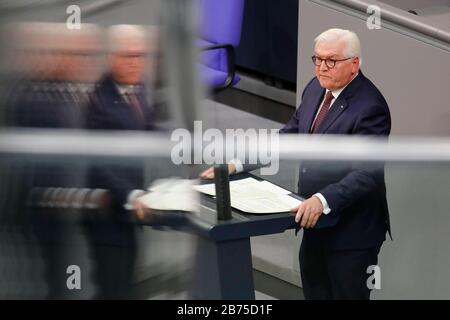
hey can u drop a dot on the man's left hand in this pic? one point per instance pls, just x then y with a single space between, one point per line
308 212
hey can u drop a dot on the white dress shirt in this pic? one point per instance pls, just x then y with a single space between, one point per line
124 90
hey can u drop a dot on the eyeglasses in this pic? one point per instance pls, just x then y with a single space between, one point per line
331 63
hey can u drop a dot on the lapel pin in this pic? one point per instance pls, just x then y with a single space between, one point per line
342 107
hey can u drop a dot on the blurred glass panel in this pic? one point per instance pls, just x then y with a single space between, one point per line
73 70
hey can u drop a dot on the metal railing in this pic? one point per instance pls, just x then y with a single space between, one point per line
88 144
396 17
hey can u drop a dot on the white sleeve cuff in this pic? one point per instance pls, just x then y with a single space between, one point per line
326 208
131 197
238 165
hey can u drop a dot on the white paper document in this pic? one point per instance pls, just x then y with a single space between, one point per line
253 196
172 194
209 189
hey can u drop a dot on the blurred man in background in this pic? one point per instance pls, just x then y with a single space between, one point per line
58 71
120 103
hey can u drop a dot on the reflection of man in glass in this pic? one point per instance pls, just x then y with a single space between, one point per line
57 65
119 103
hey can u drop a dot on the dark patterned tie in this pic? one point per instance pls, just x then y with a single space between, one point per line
323 112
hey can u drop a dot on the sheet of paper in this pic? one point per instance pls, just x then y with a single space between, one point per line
248 186
206 188
281 203
273 187
172 194
253 196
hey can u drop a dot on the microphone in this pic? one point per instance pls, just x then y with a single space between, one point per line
222 184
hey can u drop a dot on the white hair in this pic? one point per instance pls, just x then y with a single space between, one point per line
118 33
352 46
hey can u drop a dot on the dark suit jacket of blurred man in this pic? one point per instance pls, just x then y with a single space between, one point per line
47 104
113 237
111 111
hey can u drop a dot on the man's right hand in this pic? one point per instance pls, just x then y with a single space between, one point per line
209 173
141 211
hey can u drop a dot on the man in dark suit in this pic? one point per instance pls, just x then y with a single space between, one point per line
339 100
52 94
119 103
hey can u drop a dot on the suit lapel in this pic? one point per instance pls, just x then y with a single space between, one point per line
337 108
310 113
111 93
340 105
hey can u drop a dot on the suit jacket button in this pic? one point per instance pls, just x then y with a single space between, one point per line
304 170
